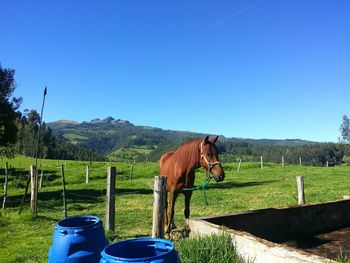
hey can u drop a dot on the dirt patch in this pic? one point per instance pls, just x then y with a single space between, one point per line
329 245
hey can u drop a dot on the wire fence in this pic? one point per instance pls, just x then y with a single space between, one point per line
53 200
102 198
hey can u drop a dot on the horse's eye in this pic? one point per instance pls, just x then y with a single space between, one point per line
209 154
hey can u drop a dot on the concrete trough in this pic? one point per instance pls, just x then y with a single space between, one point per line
308 233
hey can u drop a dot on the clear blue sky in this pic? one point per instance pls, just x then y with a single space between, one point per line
253 69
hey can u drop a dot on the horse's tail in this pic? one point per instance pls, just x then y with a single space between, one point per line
164 157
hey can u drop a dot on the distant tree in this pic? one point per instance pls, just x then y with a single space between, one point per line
8 112
28 127
345 130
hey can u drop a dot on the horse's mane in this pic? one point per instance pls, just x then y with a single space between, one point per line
188 152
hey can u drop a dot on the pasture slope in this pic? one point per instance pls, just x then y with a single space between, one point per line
24 238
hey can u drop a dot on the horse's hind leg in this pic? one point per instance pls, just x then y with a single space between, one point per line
168 211
188 195
166 219
172 198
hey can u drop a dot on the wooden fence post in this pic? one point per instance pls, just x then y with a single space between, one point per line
239 165
159 206
24 195
64 192
5 186
41 178
87 174
110 202
282 161
34 189
300 187
261 162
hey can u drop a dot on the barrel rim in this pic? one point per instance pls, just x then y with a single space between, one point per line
94 221
154 240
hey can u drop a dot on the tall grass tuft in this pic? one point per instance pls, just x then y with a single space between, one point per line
209 249
344 257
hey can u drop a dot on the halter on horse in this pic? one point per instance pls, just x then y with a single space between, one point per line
209 164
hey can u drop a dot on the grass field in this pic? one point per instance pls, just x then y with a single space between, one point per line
24 238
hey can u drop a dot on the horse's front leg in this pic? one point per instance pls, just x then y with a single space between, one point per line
188 195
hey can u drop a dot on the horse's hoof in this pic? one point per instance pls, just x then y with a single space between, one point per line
187 231
173 226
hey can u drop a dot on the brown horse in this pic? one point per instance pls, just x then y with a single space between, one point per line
179 167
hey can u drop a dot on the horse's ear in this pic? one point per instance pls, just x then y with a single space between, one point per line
206 139
213 140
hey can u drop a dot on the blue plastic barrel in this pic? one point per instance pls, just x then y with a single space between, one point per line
145 250
78 239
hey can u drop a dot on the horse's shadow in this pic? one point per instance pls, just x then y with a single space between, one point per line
228 185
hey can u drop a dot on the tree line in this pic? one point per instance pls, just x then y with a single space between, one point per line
318 154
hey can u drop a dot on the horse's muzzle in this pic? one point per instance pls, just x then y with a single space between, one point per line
219 178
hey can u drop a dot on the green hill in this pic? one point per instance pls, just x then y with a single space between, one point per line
121 140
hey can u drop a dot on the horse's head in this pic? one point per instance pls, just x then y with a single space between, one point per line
210 160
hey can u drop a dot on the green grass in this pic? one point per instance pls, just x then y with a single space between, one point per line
210 249
130 153
346 160
24 238
75 138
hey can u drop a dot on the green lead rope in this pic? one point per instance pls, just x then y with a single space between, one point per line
202 187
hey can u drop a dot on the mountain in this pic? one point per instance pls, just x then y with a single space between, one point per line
122 140
116 137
